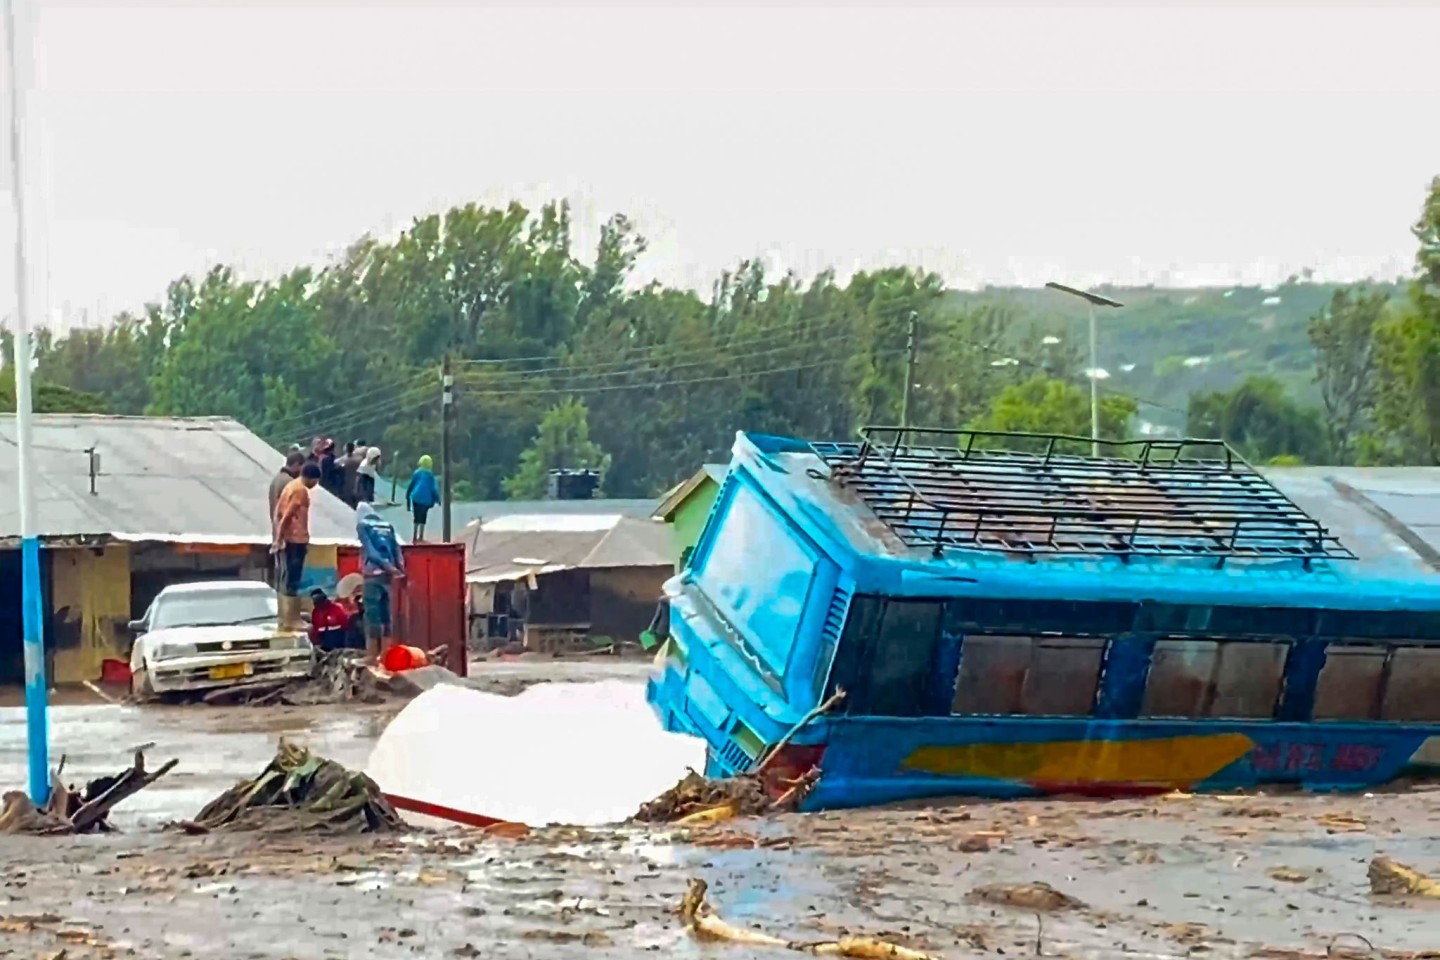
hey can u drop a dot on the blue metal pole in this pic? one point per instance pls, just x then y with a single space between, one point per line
37 694
37 705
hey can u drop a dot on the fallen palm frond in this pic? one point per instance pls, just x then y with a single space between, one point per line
704 924
299 792
1395 879
77 811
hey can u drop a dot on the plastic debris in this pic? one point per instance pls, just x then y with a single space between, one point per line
299 791
1388 878
482 755
703 923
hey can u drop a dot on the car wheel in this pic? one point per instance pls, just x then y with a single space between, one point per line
140 687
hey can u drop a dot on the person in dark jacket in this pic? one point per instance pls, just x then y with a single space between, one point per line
422 494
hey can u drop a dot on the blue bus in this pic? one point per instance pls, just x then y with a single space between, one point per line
925 613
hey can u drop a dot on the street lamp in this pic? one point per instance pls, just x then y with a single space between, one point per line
1092 300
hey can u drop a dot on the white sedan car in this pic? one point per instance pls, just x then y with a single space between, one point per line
198 636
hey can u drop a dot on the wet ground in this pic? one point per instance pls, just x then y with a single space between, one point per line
1216 877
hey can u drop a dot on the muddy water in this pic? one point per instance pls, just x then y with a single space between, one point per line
1214 877
215 746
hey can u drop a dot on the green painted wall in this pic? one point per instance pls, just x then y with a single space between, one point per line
690 518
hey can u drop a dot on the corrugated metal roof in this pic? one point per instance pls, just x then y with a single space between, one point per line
506 550
161 478
465 512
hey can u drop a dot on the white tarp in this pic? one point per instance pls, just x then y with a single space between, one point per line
583 754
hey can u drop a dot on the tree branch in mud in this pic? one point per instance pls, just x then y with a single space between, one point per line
71 811
704 924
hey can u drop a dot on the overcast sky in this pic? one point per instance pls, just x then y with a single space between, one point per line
1139 144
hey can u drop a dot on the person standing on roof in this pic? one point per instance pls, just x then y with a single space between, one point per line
367 474
292 540
354 457
381 562
294 460
422 494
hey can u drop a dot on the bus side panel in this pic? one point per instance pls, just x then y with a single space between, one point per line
881 760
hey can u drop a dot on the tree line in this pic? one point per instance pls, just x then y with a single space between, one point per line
564 360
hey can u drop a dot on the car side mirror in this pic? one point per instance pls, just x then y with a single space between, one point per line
137 626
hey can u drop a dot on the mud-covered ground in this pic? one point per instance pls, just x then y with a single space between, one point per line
1214 877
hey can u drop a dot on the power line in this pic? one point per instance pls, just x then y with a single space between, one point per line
642 352
306 415
710 360
657 384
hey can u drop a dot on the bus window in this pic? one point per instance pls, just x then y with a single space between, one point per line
1410 691
1248 679
1349 685
1179 684
1210 678
886 657
1034 676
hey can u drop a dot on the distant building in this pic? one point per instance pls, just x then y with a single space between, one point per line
159 501
465 512
686 508
552 579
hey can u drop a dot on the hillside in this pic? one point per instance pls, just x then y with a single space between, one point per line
1165 344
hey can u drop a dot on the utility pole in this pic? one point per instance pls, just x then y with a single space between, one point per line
910 358
37 701
447 406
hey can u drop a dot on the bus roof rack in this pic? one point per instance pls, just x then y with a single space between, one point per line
1037 494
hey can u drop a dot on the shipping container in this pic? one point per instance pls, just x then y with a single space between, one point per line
428 605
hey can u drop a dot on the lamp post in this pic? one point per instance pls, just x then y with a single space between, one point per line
1092 300
37 719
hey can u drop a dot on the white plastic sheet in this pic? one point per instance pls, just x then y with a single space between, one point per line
583 754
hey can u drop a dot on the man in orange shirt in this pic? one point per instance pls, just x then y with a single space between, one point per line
292 539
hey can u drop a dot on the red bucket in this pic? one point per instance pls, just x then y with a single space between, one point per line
400 658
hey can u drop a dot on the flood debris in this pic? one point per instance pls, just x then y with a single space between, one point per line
698 800
1388 878
704 924
337 676
1038 896
1287 875
70 810
300 792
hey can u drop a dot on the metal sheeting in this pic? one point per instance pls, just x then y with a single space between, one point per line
1388 516
160 478
465 512
509 548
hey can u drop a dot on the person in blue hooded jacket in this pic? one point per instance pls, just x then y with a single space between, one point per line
381 562
422 494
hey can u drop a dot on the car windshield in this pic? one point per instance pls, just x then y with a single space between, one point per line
213 608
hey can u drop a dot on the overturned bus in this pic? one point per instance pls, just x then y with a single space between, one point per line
924 613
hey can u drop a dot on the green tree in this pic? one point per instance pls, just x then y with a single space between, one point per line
47 397
1259 420
1408 400
562 443
1043 404
1344 335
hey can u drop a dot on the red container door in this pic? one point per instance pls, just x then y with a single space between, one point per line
428 605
